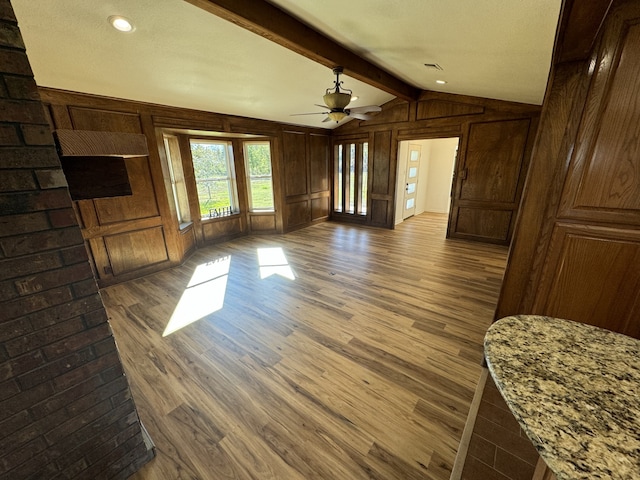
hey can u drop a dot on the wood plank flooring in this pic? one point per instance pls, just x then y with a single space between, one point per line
362 367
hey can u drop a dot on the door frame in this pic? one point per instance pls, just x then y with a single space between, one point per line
420 137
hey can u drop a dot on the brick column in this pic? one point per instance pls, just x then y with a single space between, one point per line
65 405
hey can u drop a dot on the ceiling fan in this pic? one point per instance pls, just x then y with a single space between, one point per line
337 99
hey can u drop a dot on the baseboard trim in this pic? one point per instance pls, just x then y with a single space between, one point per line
463 448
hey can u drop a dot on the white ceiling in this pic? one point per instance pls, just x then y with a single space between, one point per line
180 55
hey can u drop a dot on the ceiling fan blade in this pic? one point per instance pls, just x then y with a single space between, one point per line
326 120
321 106
313 113
366 109
360 116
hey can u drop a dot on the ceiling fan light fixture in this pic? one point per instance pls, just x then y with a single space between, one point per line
337 116
336 100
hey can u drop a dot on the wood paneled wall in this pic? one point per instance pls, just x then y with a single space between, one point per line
134 235
576 253
495 145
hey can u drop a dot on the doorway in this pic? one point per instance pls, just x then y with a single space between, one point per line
425 176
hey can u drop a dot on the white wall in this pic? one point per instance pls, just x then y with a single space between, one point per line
437 191
437 162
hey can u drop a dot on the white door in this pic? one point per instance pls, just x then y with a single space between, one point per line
411 181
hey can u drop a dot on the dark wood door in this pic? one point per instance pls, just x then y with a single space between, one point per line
489 178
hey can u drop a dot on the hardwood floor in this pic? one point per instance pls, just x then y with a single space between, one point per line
362 367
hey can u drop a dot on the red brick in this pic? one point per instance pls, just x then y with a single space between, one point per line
56 368
63 217
21 87
15 422
17 181
116 460
19 267
76 423
93 368
6 12
10 36
34 201
97 433
53 178
59 313
104 392
24 400
13 61
15 328
62 399
25 223
40 242
96 318
34 303
84 288
76 341
111 373
37 135
35 340
53 278
124 437
21 455
9 135
32 157
105 346
75 254
20 365
8 389
7 291
19 111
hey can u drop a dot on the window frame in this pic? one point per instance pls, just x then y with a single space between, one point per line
230 178
249 176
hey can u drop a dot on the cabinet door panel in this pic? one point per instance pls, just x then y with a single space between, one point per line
593 276
134 250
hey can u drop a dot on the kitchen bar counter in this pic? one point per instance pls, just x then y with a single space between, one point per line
574 389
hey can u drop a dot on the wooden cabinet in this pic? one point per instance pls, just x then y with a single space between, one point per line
576 253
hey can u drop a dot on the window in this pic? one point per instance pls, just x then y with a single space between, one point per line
215 178
351 178
257 157
176 175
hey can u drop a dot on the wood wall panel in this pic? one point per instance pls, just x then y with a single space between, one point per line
493 161
320 208
499 136
134 250
140 204
604 181
295 163
380 167
222 228
319 157
593 276
104 121
485 224
262 223
441 109
379 212
578 256
298 214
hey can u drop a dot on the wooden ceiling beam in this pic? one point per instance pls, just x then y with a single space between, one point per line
268 21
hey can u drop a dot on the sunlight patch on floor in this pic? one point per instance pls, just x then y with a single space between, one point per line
272 261
203 296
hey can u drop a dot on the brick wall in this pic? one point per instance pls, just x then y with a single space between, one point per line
65 406
499 449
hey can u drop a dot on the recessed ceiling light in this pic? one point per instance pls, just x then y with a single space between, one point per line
121 23
441 82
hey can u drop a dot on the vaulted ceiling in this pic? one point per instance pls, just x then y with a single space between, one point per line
211 55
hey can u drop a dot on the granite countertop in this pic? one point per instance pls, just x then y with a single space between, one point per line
574 389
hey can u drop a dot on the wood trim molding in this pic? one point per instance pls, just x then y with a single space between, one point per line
268 21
